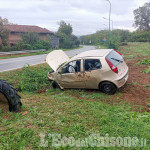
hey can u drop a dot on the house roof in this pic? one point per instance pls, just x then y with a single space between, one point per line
26 28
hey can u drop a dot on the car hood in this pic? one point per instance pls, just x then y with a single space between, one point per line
55 58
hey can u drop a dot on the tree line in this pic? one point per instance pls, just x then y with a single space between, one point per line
115 38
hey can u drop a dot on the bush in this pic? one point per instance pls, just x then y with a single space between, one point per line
6 49
27 47
34 79
30 38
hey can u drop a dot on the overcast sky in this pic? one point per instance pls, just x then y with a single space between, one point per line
85 16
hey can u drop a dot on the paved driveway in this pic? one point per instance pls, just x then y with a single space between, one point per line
15 63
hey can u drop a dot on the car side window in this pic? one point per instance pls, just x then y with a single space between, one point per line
72 67
92 64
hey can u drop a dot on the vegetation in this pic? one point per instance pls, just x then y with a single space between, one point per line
4 33
145 62
67 39
30 41
116 38
30 79
113 39
28 54
76 113
136 49
147 70
142 17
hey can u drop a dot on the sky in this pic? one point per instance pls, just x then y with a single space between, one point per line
85 16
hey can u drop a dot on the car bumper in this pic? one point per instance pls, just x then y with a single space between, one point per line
50 77
120 82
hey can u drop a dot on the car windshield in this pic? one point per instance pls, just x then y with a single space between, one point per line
60 65
114 58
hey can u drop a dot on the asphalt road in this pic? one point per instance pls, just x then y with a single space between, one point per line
15 63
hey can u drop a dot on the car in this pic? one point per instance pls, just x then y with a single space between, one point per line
103 69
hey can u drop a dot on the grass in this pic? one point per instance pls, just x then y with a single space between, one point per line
61 112
101 47
130 56
28 79
147 71
148 86
136 49
22 55
145 62
76 113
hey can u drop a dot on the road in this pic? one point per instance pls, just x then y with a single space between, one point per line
16 63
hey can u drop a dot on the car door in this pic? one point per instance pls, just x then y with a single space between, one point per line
93 72
71 75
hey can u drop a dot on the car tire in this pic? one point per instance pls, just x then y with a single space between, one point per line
108 88
55 85
10 93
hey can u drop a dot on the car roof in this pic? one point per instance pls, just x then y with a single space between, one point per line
93 53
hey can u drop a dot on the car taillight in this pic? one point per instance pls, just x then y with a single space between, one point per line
112 67
118 52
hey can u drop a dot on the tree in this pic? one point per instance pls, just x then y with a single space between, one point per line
142 17
4 33
67 39
64 29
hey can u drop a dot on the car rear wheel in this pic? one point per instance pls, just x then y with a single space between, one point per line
108 88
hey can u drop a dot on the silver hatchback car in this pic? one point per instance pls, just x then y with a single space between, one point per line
103 69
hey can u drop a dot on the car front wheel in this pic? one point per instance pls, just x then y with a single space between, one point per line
108 88
55 85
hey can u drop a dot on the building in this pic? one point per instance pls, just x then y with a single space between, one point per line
16 32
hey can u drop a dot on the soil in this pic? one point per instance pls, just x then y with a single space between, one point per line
135 91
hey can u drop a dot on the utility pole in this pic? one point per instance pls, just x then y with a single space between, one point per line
109 13
111 22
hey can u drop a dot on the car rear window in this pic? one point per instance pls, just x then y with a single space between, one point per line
115 58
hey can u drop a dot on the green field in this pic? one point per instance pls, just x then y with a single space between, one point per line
74 113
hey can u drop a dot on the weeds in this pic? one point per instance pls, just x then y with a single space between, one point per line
145 62
29 79
33 79
147 71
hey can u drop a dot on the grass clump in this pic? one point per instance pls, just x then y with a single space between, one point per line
28 79
33 79
147 71
145 62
